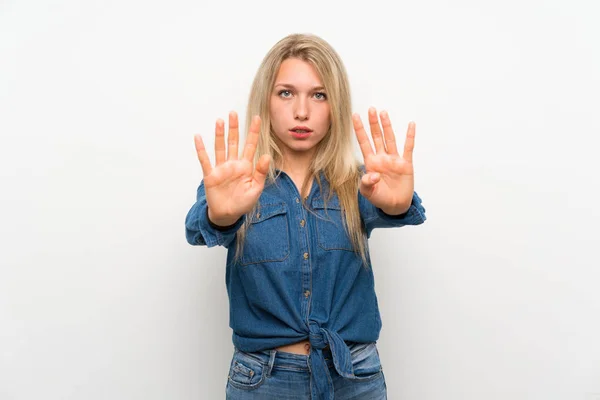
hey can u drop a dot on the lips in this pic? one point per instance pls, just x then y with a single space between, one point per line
300 132
301 129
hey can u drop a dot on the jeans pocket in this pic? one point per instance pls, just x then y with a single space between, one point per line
246 372
366 362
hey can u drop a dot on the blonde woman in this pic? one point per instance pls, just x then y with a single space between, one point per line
295 210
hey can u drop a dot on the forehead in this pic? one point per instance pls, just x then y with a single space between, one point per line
298 73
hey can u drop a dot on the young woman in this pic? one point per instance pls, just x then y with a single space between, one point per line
295 210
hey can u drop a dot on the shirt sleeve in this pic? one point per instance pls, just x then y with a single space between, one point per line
374 217
199 230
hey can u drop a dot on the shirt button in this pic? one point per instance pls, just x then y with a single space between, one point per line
297 200
306 256
307 293
258 215
302 223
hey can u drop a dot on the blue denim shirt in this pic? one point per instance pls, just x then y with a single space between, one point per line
298 276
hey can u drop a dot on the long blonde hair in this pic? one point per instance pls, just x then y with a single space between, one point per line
334 154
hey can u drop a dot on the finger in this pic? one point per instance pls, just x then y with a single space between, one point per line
233 137
202 155
376 131
367 183
262 168
252 139
409 144
219 142
361 136
390 138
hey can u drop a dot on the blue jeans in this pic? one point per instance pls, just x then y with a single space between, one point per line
276 375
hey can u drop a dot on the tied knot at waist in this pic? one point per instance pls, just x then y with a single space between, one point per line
321 338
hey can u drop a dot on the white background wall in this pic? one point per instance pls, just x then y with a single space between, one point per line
496 296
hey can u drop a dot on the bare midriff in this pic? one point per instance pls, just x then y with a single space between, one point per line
302 347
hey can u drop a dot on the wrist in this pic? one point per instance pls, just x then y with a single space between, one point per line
398 210
221 222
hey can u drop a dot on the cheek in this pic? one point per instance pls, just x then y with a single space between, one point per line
273 108
326 118
275 119
325 112
274 115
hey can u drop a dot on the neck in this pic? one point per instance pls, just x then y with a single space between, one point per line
296 162
297 167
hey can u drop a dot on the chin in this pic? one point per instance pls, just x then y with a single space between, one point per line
301 149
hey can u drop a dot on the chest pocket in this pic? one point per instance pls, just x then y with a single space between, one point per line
267 238
331 234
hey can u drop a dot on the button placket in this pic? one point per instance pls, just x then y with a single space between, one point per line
304 247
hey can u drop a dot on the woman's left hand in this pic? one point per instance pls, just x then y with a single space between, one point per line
389 179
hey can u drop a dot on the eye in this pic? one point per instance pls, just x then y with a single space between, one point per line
287 92
320 96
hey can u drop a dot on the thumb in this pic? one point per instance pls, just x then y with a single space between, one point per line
262 168
368 182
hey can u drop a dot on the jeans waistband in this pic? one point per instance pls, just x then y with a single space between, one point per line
284 360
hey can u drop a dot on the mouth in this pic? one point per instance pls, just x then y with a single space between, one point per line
300 132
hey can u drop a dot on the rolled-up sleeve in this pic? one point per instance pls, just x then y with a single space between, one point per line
199 231
374 217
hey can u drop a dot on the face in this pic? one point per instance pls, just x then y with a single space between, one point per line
299 108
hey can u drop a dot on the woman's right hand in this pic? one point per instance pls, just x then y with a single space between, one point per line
232 187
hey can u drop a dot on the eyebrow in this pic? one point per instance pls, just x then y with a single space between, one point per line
289 86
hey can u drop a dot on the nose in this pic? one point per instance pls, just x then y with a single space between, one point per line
301 109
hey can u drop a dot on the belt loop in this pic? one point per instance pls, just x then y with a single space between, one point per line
271 362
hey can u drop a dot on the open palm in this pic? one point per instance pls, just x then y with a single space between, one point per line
233 186
389 179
